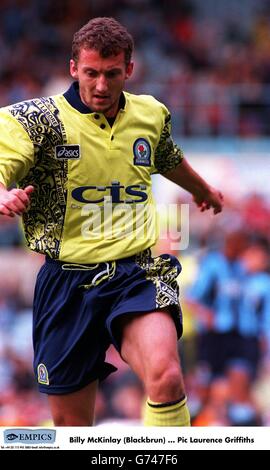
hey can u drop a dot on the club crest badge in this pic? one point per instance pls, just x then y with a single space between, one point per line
43 376
142 152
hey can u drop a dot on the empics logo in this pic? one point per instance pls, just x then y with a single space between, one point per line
29 436
11 436
70 152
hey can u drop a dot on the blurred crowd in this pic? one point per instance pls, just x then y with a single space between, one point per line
213 72
225 294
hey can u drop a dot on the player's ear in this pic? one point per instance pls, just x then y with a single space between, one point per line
73 69
129 69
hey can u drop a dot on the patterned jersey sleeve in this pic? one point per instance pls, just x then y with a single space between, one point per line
16 149
167 155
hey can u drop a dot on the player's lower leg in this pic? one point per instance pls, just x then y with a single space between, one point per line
173 413
149 346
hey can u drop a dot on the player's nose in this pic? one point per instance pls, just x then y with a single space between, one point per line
101 84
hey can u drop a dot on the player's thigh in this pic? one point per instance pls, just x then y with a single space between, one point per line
76 408
149 340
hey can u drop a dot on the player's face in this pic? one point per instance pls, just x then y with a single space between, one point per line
101 80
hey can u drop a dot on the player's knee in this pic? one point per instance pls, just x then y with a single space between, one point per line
165 382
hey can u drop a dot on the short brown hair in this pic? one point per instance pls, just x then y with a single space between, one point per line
106 36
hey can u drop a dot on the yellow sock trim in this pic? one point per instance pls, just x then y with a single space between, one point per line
176 414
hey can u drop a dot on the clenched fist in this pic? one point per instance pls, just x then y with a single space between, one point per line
15 201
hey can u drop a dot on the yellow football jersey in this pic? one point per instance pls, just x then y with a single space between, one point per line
93 200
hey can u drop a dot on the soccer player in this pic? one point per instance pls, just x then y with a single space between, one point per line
83 162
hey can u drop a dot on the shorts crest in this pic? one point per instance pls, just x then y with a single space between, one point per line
43 376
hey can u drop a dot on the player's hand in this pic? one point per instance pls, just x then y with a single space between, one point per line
15 201
211 199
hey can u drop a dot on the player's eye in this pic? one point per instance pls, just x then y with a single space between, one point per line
91 73
112 74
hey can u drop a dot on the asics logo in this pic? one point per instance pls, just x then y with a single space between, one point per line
67 151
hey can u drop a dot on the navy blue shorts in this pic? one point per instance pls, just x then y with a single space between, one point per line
75 307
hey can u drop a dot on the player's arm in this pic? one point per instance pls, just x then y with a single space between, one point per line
204 195
15 201
170 162
16 157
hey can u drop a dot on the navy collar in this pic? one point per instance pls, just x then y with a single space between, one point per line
72 96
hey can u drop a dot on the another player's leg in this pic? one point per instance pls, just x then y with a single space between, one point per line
74 409
149 346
